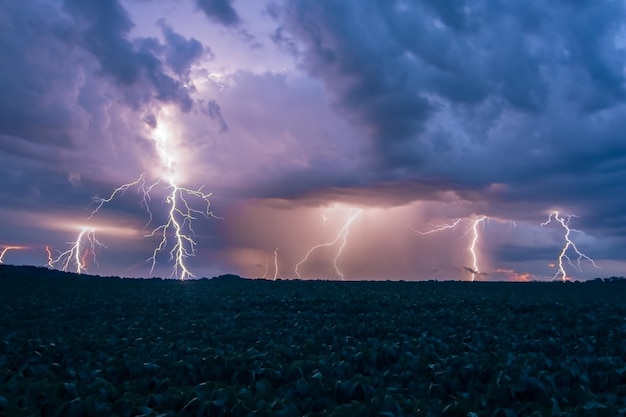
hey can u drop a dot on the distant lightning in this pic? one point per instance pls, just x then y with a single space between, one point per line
472 248
50 257
216 77
276 274
178 227
437 229
341 237
85 246
266 267
473 229
565 223
275 264
6 249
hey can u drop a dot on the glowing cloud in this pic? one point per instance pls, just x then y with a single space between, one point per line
342 237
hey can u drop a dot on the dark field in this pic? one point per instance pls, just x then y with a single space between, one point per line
85 346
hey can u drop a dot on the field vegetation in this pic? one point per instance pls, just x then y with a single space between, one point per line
88 346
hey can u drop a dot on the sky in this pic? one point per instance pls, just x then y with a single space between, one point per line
348 128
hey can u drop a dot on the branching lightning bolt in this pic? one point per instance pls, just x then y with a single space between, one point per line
140 183
6 249
565 222
342 236
436 229
85 245
178 227
472 248
179 216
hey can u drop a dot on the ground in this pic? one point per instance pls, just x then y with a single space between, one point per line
89 346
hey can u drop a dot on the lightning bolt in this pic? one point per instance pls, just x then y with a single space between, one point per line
275 264
436 229
177 231
472 230
50 257
266 267
472 248
85 245
6 249
141 189
565 223
180 216
215 76
342 237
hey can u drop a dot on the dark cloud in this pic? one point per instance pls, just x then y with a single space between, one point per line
181 52
284 41
42 79
365 71
214 111
39 76
220 11
392 66
249 38
70 81
223 12
150 120
476 93
103 29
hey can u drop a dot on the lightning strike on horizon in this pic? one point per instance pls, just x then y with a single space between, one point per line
78 253
343 235
565 222
472 248
266 267
50 258
275 264
180 215
6 249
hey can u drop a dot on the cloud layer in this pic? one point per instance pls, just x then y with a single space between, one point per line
440 110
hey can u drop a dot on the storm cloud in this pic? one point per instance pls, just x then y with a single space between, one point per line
289 110
221 11
477 92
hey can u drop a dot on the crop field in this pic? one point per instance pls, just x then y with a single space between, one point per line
87 346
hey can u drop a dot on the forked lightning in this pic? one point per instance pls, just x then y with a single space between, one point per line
180 215
342 236
85 247
473 229
565 221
